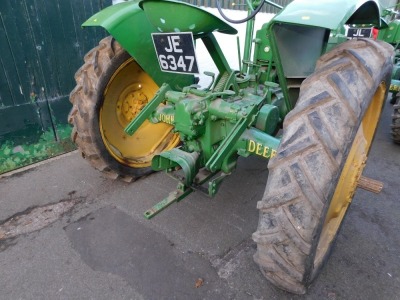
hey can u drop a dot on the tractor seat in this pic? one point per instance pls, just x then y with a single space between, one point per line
174 16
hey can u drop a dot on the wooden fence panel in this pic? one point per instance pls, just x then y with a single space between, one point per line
42 45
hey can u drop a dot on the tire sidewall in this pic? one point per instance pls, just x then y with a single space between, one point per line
115 62
315 270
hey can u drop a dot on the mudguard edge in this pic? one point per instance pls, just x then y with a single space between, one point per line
326 13
127 23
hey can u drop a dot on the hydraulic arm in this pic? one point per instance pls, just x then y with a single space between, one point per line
215 128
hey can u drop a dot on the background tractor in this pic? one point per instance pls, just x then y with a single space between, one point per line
305 98
391 35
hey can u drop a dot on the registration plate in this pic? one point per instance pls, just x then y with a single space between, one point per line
355 33
175 52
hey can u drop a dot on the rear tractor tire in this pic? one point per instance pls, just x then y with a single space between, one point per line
111 89
324 148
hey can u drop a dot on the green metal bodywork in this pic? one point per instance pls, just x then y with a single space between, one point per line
391 34
128 24
330 14
182 17
240 114
302 32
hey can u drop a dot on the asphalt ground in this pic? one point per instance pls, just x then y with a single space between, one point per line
68 233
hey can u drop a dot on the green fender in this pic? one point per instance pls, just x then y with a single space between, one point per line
331 14
128 24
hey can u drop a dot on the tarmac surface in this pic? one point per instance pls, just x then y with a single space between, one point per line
68 233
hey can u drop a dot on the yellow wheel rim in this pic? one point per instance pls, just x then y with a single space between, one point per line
351 173
128 91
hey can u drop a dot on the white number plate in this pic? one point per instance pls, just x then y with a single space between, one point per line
175 52
353 33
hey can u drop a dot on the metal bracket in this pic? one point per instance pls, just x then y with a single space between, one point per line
174 157
175 196
147 110
213 185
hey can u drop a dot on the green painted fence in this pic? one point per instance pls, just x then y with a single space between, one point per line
41 47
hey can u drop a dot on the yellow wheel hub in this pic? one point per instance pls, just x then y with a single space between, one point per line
351 173
130 103
128 91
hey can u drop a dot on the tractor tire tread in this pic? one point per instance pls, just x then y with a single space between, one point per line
81 97
317 136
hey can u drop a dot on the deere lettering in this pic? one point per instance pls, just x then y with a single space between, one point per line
260 149
169 119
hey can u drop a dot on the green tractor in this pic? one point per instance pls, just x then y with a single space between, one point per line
391 35
306 98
